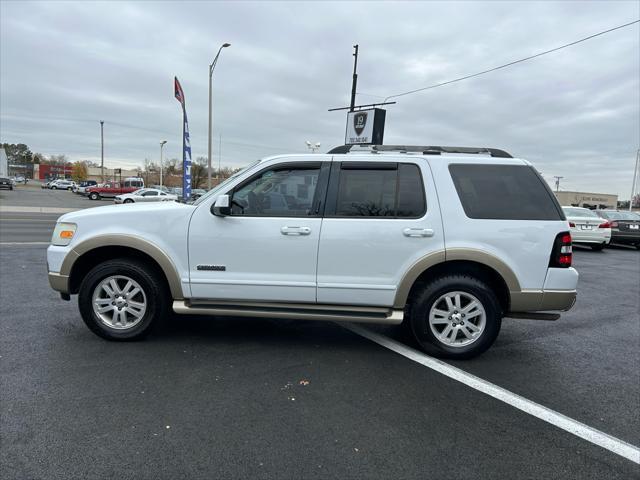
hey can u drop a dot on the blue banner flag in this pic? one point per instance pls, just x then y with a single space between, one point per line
186 144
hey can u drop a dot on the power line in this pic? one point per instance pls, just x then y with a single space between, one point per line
512 63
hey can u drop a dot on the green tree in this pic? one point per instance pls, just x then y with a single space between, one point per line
17 153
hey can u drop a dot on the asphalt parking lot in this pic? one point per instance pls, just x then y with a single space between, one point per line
245 398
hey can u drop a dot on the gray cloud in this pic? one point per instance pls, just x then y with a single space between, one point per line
66 65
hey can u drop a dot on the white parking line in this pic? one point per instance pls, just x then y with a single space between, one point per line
615 445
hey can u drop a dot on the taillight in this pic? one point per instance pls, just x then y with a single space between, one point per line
604 225
562 251
613 224
572 225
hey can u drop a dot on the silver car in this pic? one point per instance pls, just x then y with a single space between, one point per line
146 195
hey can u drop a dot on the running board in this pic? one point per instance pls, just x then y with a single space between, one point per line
550 317
334 313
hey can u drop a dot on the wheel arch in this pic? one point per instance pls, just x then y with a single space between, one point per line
477 263
89 253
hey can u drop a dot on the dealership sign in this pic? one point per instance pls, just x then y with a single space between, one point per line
365 127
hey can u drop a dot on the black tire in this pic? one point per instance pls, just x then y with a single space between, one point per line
423 300
94 196
54 188
598 247
128 200
151 283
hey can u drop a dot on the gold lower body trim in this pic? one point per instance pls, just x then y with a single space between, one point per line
335 313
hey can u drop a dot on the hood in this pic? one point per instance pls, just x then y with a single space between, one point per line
129 212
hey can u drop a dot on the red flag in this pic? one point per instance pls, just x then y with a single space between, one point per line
179 92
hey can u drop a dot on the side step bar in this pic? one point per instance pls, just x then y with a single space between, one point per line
291 311
549 317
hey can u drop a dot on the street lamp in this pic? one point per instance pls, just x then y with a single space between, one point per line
211 68
313 146
161 146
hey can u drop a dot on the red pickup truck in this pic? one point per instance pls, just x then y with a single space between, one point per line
111 189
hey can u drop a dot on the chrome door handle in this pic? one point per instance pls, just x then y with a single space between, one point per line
418 232
295 230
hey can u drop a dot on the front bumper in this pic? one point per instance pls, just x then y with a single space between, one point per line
60 283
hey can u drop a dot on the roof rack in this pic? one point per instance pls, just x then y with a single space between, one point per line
426 150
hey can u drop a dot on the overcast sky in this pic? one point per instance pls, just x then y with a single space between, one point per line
66 65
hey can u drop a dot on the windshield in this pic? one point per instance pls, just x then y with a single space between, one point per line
579 212
140 191
215 190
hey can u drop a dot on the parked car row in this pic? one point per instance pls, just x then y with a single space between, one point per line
599 228
129 190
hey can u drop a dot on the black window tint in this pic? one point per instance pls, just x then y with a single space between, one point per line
411 201
504 192
381 192
367 193
277 192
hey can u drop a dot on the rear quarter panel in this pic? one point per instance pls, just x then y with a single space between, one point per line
524 245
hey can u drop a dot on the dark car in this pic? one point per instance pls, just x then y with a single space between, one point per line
6 182
625 226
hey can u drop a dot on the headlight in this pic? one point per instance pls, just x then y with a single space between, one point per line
63 233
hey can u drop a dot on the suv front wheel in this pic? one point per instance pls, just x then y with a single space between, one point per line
455 316
121 299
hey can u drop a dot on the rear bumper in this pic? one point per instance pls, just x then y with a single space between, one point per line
625 237
559 293
542 300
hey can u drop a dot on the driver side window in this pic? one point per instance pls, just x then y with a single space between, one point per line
277 192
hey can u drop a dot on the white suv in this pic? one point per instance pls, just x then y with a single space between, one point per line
446 240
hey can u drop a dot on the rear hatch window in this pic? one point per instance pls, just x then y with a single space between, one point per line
504 192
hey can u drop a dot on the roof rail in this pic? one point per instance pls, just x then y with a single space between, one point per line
426 150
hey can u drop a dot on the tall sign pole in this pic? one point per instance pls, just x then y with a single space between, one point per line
365 126
354 81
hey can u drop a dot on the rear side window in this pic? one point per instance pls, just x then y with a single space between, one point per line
504 192
394 191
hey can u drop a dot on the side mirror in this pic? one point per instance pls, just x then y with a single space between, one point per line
222 206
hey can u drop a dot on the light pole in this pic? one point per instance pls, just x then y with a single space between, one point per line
633 185
161 146
102 149
211 68
313 146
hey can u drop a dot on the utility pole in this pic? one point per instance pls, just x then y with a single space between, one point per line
354 82
633 185
102 149
557 182
161 146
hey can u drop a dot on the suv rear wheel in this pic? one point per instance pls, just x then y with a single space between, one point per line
121 299
455 316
